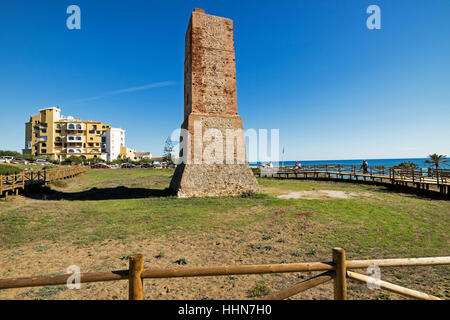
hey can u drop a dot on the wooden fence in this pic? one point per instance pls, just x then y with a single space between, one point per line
337 270
422 180
20 181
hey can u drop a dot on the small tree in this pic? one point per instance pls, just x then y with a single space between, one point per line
168 149
437 160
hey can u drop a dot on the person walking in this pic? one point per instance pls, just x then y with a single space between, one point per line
365 166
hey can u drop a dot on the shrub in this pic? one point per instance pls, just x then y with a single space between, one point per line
406 165
160 255
8 169
9 153
259 290
296 254
181 261
73 159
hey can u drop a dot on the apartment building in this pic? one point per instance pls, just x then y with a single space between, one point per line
50 134
113 140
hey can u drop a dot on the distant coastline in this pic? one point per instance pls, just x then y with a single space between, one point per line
372 162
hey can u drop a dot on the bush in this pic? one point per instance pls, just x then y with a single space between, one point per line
259 290
406 165
8 169
73 159
9 153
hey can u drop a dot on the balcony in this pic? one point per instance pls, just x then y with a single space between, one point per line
75 150
76 126
74 138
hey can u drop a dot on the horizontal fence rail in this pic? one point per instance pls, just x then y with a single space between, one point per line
27 178
336 270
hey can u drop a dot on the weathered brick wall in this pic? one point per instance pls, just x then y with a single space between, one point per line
210 103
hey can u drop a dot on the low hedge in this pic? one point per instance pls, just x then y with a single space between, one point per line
8 169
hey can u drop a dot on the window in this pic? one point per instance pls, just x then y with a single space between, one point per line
58 131
58 126
91 131
44 130
98 132
91 138
79 138
79 127
44 150
97 144
94 127
44 144
71 126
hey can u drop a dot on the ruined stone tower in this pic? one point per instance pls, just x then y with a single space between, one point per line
212 140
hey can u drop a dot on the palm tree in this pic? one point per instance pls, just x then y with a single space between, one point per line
436 159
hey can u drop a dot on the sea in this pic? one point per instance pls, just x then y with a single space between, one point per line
420 162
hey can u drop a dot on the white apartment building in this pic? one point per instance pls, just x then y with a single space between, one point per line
112 140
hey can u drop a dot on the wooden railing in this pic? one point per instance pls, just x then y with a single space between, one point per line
422 179
20 181
337 270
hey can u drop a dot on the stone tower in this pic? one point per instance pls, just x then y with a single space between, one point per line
212 143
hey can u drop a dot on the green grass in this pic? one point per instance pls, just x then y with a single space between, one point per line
128 204
261 289
390 223
9 169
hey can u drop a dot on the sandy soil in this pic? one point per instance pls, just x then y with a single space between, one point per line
322 194
54 258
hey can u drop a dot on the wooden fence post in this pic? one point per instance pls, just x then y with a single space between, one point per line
340 281
135 281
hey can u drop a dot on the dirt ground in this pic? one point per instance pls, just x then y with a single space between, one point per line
234 248
322 194
113 255
269 239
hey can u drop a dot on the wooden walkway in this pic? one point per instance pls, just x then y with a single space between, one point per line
20 181
422 180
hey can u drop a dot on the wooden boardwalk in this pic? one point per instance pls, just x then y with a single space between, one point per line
422 180
21 181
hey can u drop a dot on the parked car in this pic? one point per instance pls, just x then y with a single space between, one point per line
99 166
128 165
18 160
41 162
114 166
146 165
6 159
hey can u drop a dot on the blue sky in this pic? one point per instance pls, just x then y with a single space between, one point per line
312 69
